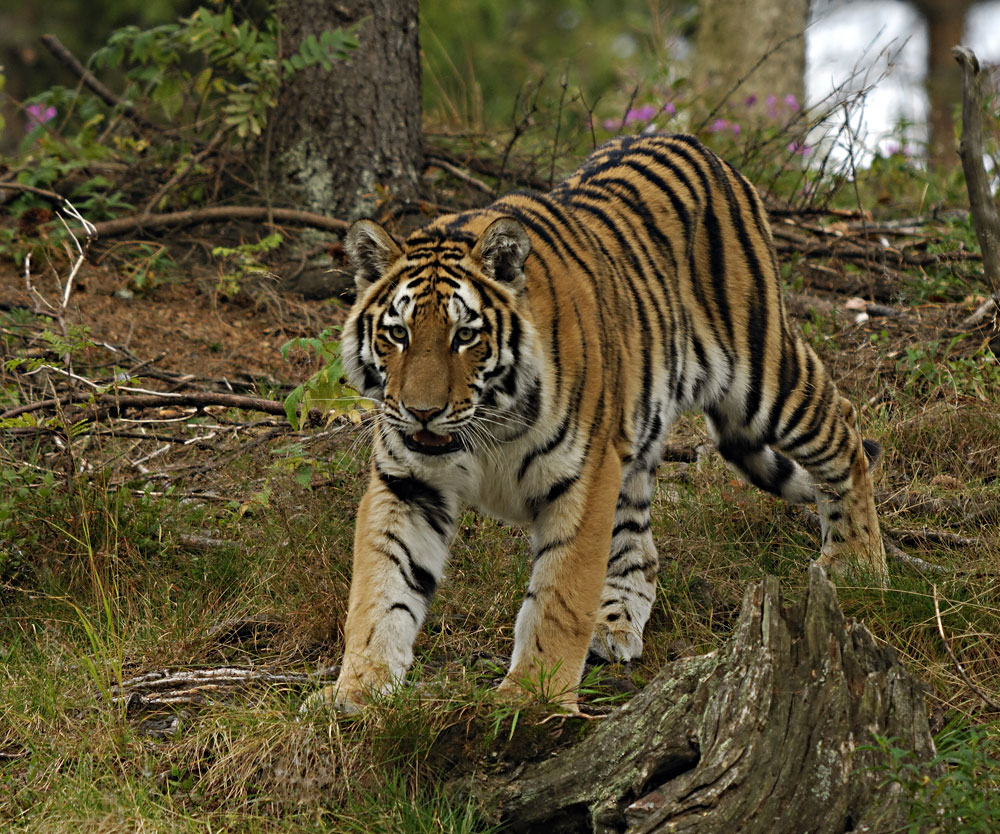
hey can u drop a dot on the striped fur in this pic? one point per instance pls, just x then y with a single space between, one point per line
529 359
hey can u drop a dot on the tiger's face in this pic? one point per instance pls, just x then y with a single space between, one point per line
435 335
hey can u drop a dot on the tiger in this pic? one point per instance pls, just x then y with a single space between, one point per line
528 358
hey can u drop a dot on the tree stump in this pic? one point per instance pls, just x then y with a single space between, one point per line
767 734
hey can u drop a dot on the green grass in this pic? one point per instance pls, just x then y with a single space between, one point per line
100 580
111 589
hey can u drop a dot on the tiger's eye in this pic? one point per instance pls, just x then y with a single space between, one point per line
398 333
464 335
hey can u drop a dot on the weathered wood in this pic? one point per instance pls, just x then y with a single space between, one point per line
768 734
984 211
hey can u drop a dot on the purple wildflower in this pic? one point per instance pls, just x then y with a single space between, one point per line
772 107
751 100
799 149
670 108
791 102
718 125
735 128
641 114
39 115
612 124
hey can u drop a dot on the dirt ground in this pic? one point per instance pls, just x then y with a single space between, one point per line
187 327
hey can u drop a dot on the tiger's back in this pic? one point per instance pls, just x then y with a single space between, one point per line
530 358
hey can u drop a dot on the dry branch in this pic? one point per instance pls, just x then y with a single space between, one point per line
58 199
145 697
120 402
767 733
461 174
218 214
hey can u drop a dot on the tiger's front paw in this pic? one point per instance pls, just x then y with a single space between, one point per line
616 640
343 701
527 691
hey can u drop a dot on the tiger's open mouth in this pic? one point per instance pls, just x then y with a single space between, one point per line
427 442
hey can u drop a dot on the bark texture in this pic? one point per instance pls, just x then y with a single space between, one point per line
945 25
337 137
766 735
734 35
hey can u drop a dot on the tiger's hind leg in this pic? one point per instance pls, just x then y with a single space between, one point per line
630 583
809 448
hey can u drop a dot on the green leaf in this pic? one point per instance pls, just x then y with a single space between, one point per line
292 406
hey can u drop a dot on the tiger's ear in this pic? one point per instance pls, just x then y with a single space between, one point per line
371 250
502 250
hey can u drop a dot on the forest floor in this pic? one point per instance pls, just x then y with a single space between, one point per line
174 577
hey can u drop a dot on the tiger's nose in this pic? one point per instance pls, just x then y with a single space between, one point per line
424 415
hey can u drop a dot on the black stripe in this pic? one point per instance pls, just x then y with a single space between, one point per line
402 606
422 495
631 527
641 566
423 582
548 547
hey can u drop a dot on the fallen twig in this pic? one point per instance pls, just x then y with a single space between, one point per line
461 174
937 536
218 214
192 541
41 304
958 665
167 687
895 553
119 402
31 189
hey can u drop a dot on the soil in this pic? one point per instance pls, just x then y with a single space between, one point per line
187 326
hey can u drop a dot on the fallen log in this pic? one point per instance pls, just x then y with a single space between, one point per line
771 733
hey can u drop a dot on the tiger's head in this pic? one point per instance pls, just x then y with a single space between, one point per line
435 335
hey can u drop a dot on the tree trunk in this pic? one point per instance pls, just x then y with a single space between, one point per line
734 35
765 735
945 24
337 137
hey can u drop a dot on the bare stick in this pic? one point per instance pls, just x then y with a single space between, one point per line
958 666
520 126
72 63
88 229
122 401
190 686
31 189
460 174
40 302
563 84
984 211
217 214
